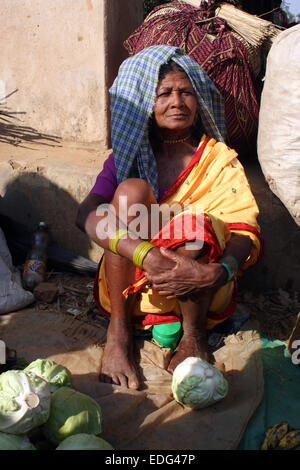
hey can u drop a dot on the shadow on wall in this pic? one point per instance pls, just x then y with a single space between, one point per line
17 134
280 265
30 198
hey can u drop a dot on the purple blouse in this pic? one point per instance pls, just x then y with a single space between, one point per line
106 182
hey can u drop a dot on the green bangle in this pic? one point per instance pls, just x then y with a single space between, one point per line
230 272
228 259
113 241
140 253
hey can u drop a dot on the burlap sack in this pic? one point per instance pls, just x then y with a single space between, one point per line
149 419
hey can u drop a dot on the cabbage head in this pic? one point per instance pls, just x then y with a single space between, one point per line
197 384
57 375
14 442
84 442
71 413
24 401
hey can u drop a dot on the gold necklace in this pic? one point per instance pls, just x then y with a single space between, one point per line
176 141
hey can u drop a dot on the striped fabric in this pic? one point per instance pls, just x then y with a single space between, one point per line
133 96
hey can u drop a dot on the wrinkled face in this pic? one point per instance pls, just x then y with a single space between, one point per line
176 102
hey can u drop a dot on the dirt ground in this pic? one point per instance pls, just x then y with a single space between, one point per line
75 298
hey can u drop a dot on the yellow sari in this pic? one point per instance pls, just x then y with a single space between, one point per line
215 182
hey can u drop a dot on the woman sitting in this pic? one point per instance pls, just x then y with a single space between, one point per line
181 220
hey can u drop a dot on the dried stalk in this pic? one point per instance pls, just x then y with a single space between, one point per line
253 29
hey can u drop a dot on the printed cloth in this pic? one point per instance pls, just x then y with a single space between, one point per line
133 96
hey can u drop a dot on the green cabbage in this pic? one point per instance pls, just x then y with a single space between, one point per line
71 413
24 401
197 384
13 442
57 375
84 442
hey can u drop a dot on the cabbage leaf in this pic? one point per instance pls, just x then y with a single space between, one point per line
14 442
24 401
71 413
84 442
57 375
197 384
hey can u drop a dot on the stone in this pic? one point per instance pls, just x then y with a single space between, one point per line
46 292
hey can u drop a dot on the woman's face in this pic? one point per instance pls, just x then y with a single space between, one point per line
176 102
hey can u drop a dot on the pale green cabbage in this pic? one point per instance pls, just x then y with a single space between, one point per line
71 413
13 442
24 401
197 384
84 442
57 375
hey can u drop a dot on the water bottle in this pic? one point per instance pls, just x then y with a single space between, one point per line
167 335
35 266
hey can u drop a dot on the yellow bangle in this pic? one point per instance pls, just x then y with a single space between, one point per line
113 241
140 253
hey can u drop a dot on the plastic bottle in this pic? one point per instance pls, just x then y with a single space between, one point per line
35 265
167 334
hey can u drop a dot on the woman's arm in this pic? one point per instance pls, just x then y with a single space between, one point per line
238 247
92 218
188 275
97 218
86 219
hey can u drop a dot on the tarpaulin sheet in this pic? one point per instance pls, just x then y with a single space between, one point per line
281 394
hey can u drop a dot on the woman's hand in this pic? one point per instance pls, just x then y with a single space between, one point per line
175 275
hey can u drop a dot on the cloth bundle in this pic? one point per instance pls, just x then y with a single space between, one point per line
12 295
210 42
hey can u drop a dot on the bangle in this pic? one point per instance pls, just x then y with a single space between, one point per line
140 253
231 266
113 241
228 259
230 272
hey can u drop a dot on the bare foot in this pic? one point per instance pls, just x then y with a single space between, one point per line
191 345
118 364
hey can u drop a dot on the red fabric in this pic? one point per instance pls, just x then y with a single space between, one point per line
280 18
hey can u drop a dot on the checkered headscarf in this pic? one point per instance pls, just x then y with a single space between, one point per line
133 95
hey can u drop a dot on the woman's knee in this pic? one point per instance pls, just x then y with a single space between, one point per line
196 250
135 190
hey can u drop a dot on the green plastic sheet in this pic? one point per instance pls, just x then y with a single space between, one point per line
281 394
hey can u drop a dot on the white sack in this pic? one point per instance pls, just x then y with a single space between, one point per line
279 121
12 295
